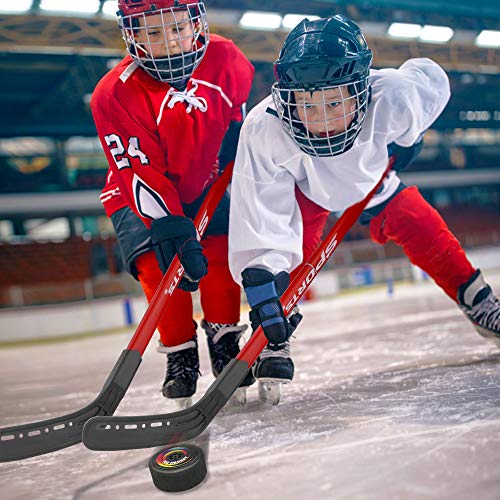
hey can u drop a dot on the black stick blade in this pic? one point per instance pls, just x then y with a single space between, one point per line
125 433
29 440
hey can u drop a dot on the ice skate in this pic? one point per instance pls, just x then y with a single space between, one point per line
481 306
273 369
182 372
183 403
223 345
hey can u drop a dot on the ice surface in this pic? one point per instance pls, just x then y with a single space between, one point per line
394 398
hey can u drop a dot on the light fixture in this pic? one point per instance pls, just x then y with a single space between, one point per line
488 38
80 7
436 34
110 8
260 20
404 30
291 20
17 6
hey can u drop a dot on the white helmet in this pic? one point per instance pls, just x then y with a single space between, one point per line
178 32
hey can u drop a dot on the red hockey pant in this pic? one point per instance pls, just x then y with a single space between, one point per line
417 227
408 220
313 221
219 294
414 225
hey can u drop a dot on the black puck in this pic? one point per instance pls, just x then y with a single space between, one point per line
178 468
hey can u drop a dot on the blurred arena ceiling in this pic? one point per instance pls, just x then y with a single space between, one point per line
50 64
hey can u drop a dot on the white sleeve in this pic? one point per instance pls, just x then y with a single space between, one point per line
265 223
414 96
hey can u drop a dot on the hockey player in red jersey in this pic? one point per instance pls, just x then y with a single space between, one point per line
168 117
319 144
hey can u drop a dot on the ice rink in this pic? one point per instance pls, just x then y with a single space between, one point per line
393 398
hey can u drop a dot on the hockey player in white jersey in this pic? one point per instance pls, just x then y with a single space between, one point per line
320 143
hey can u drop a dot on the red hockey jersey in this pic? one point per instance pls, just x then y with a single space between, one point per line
162 144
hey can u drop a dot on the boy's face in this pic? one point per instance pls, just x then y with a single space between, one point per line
326 113
166 34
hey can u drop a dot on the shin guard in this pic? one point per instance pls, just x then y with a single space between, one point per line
421 232
176 325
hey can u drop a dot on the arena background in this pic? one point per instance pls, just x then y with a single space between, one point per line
60 273
58 246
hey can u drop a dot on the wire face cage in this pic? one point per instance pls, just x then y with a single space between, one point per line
169 43
323 121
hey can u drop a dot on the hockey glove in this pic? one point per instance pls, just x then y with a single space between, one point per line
176 234
263 291
404 156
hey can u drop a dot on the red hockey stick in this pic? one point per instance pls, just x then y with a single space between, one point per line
122 433
37 438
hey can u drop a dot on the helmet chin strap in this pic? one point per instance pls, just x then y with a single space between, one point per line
138 48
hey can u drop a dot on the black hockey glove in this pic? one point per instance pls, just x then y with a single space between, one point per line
404 156
176 234
263 291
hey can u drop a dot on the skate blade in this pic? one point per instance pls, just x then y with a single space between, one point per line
183 403
274 380
495 341
237 400
271 390
488 335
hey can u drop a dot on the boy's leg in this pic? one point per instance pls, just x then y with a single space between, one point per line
177 332
220 301
219 294
409 221
139 261
413 224
277 365
314 219
176 325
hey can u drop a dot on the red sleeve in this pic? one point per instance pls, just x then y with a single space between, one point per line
240 79
135 156
111 197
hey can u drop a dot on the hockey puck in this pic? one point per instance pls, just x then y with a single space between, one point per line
178 468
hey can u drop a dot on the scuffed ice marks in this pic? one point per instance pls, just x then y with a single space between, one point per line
392 399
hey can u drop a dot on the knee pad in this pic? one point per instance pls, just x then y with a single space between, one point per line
421 232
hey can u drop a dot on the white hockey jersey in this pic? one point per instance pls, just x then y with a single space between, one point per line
265 225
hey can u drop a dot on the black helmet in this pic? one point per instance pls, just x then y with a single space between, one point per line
319 56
